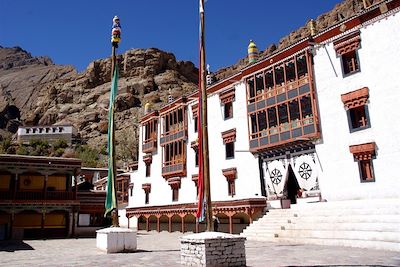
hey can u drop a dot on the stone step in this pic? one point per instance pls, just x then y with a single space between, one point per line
330 212
341 234
345 204
381 245
349 219
349 226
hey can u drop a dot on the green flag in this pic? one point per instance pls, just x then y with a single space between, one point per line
111 198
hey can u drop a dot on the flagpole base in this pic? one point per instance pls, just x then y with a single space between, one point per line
114 218
116 239
213 249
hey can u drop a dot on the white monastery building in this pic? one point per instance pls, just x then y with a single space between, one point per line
314 121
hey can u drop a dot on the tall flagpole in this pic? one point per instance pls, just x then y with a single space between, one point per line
204 128
115 39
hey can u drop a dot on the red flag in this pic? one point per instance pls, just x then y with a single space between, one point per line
201 207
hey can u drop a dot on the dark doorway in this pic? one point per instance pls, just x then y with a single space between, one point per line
292 186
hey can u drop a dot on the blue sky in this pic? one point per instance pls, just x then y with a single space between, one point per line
76 32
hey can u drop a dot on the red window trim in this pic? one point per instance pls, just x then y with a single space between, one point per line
355 98
230 173
347 44
363 151
229 136
227 96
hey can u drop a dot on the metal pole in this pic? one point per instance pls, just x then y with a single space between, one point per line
206 162
114 213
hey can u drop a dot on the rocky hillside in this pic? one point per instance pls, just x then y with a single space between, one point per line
34 91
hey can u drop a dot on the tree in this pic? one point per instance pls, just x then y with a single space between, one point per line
127 140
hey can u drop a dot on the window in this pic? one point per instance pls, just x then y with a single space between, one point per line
227 97
346 48
228 110
175 194
350 63
195 179
231 187
195 122
229 138
355 103
148 168
196 158
230 150
230 175
364 154
147 190
358 117
148 158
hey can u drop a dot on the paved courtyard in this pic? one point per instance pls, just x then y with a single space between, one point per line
163 249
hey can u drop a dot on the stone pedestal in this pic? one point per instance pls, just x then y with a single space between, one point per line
213 249
116 239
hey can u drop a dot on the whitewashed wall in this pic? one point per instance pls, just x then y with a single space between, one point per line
379 57
247 182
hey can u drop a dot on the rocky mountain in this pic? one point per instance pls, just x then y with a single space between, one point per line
34 91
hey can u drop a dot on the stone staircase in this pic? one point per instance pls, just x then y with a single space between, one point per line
356 223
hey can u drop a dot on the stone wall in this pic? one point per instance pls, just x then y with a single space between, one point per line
213 249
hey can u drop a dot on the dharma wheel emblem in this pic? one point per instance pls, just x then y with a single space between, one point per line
276 176
305 171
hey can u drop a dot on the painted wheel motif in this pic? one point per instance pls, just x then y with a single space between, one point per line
276 176
305 171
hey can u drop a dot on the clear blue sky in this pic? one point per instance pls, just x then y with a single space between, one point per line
77 32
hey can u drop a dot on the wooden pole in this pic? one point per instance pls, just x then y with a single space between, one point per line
203 89
114 213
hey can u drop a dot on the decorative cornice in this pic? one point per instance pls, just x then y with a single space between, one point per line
242 205
347 44
174 182
195 144
229 136
227 96
195 110
148 158
355 98
363 151
230 173
146 187
195 177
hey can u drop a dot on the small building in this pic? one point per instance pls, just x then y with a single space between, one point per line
49 133
37 199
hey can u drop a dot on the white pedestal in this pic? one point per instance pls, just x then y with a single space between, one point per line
213 249
116 239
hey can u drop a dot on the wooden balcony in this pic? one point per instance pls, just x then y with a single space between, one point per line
149 145
177 169
37 195
171 136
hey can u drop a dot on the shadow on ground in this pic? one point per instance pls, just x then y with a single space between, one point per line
12 246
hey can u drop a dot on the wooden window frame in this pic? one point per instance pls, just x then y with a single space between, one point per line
147 189
230 175
364 154
227 97
175 194
228 110
347 49
229 138
356 105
